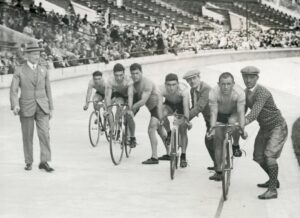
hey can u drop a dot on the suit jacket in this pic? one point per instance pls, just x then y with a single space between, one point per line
35 90
201 104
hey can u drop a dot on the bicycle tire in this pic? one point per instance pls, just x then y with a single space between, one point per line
116 146
226 171
94 130
173 155
126 145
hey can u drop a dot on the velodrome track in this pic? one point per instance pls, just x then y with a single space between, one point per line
86 183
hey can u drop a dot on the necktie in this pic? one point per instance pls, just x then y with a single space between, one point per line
249 95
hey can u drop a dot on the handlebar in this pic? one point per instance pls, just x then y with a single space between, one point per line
242 132
117 104
97 102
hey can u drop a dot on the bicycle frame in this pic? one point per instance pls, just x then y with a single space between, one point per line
227 157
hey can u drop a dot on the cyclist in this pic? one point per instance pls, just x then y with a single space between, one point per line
97 83
227 105
146 93
119 89
273 129
176 97
199 96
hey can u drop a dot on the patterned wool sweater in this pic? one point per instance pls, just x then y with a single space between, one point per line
263 108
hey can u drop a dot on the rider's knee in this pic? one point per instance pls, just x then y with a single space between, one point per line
270 161
259 159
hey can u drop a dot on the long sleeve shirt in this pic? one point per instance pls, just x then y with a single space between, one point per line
263 108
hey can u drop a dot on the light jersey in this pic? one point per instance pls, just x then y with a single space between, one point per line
177 97
99 88
147 85
121 88
227 104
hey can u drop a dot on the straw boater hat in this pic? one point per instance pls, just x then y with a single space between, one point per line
33 48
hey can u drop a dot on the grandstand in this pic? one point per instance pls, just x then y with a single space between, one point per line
106 31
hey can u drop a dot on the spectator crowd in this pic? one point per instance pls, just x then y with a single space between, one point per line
70 40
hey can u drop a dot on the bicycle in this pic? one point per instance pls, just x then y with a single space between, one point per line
118 134
97 123
227 156
178 120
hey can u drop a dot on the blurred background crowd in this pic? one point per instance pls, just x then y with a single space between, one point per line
71 40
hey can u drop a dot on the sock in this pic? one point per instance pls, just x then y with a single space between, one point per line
183 156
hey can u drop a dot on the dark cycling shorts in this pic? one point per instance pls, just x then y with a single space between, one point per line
178 107
223 118
154 112
119 95
102 95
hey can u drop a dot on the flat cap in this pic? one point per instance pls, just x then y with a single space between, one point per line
250 70
191 73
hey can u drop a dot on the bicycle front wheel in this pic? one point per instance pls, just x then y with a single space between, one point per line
116 145
94 129
226 171
173 155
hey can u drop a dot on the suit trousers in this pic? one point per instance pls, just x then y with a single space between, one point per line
42 124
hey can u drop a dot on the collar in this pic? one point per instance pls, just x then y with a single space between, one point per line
199 87
32 66
253 89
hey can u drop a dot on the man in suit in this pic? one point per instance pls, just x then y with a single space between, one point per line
35 104
199 94
273 129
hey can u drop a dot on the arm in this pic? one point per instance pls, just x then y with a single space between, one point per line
145 96
160 107
186 109
213 105
259 103
142 102
14 88
200 104
108 92
48 91
241 114
88 96
130 97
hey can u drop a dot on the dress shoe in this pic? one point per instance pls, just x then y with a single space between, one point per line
151 160
266 184
269 194
45 166
28 167
164 157
211 168
217 177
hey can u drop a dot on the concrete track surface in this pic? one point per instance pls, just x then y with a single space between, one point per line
86 184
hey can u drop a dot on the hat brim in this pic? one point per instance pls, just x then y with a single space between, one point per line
250 73
191 76
33 50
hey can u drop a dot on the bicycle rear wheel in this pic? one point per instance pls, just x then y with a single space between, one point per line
226 171
94 128
116 145
173 155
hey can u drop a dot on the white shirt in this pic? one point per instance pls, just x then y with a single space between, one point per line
32 66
